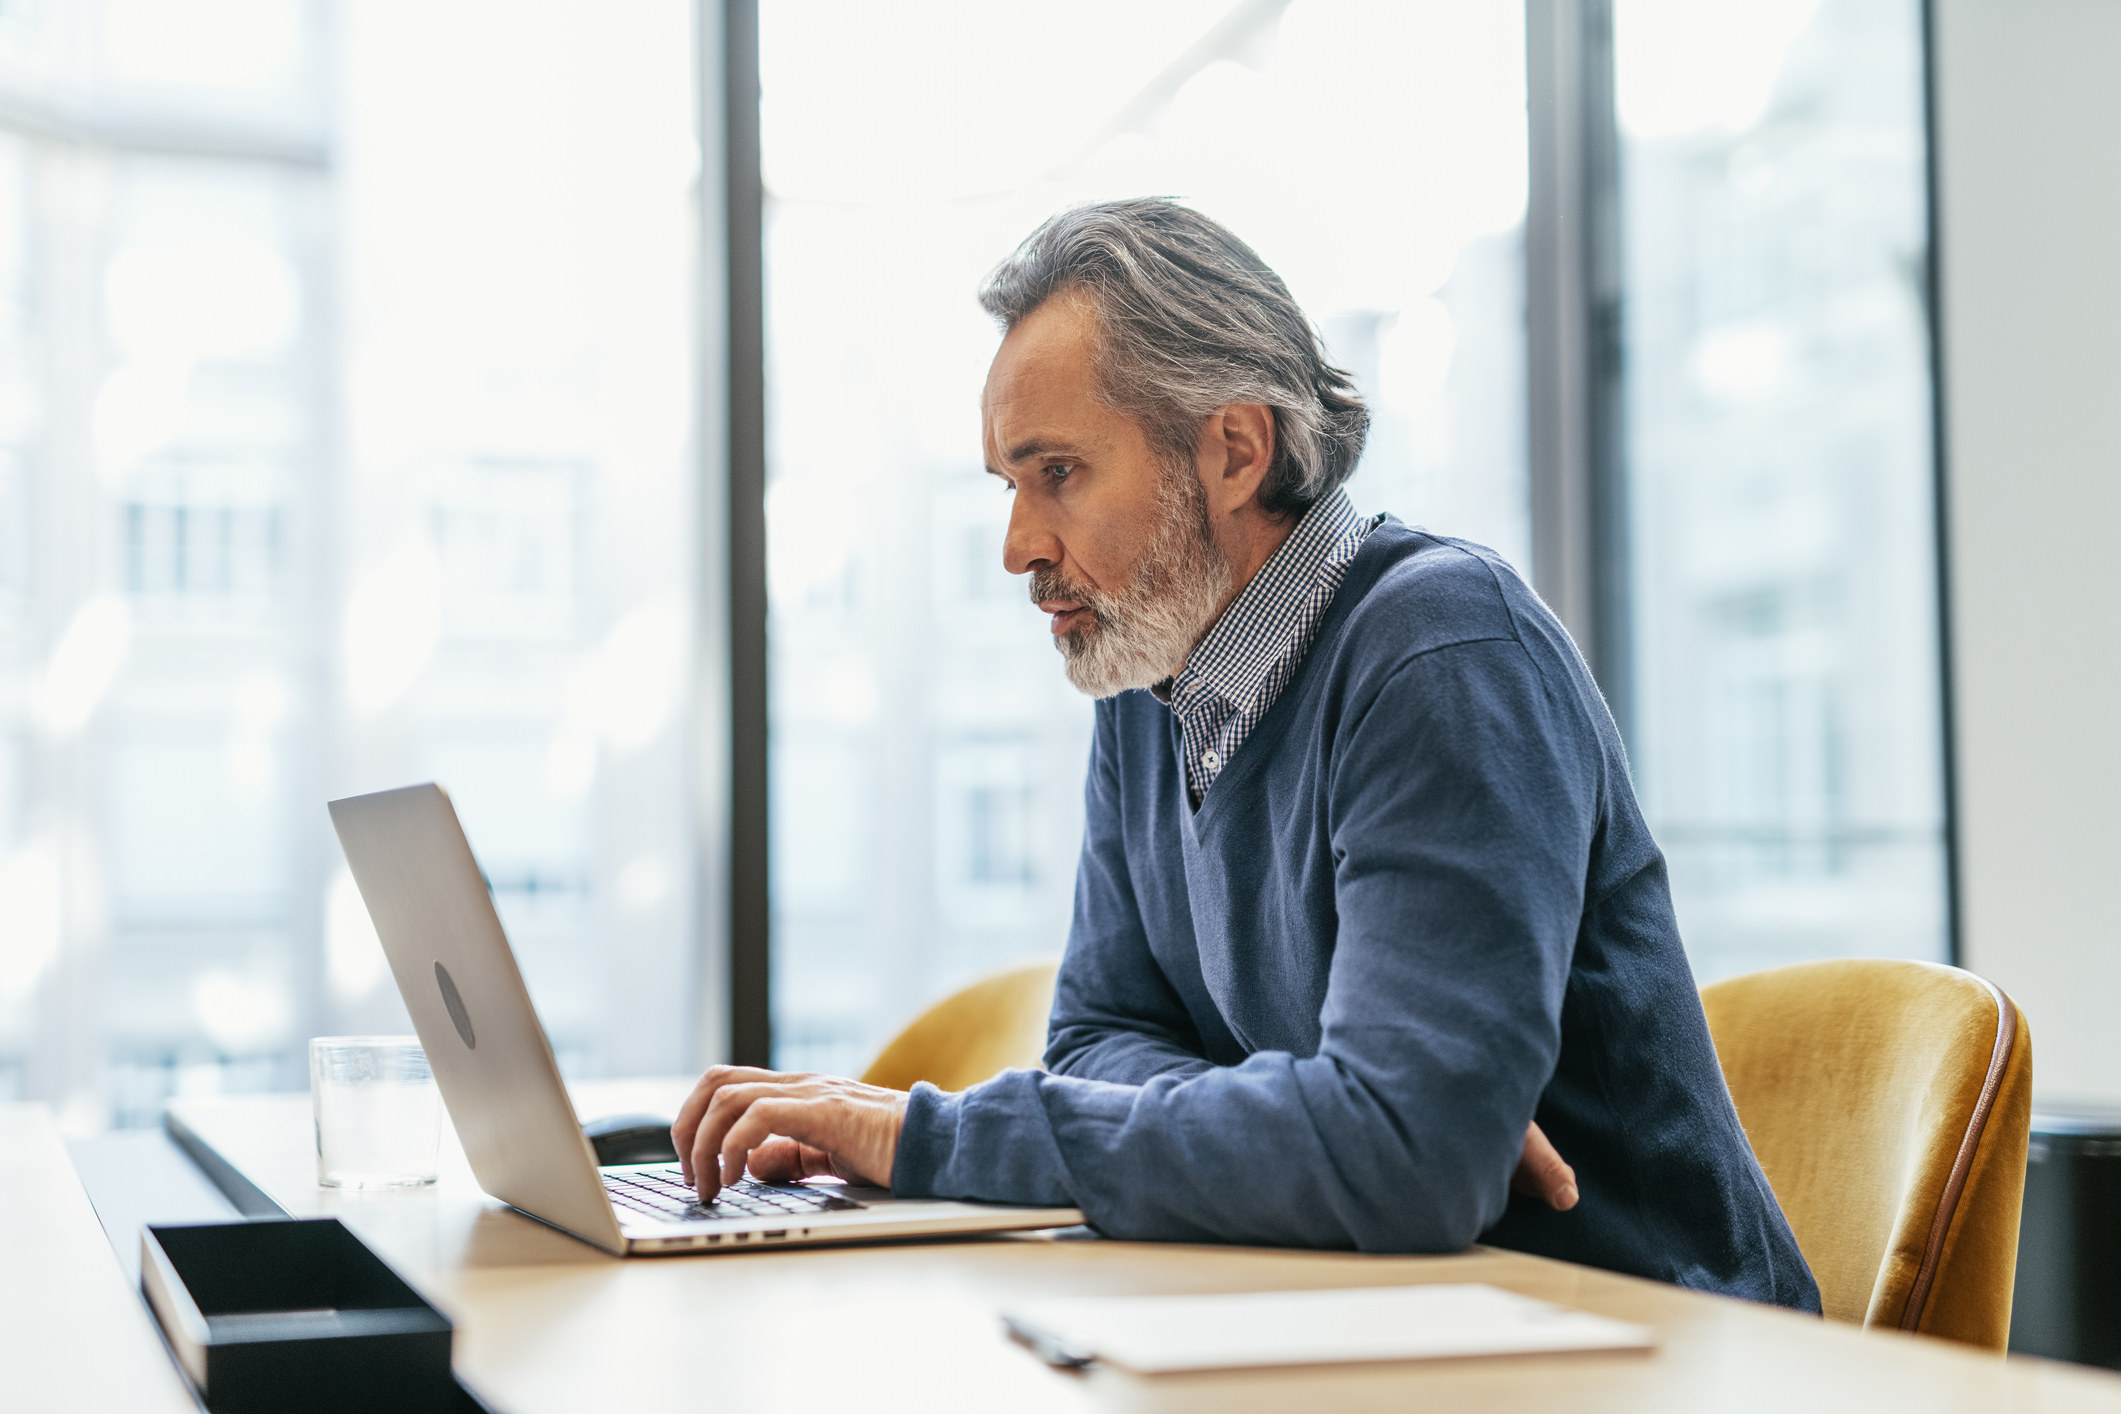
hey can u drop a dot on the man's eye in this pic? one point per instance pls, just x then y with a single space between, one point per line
1059 471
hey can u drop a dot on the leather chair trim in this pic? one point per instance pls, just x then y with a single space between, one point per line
1962 1166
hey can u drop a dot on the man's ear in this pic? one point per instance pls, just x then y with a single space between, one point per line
1239 450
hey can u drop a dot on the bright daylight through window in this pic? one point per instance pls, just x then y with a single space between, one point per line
347 396
927 752
1782 703
345 401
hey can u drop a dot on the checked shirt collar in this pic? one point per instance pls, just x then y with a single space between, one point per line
1246 660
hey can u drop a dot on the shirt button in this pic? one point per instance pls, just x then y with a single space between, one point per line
1212 760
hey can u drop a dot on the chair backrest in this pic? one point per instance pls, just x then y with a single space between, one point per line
1890 1104
973 1034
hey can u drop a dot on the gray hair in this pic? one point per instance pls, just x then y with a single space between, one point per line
1192 320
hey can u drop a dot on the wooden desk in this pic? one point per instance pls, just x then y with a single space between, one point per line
546 1323
73 1333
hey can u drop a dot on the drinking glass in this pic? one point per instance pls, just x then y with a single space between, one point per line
379 1117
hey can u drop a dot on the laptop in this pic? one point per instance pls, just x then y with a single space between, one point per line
496 1071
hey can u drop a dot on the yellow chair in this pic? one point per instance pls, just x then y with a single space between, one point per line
973 1034
1890 1104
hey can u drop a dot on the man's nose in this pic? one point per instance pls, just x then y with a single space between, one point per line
1029 545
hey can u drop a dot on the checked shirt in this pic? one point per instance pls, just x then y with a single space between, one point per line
1240 668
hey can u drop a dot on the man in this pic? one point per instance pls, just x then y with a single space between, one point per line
1365 902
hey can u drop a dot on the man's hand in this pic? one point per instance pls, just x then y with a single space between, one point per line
787 1126
1541 1173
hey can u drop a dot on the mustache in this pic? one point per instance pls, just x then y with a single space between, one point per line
1050 583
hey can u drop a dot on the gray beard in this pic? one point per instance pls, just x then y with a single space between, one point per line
1142 634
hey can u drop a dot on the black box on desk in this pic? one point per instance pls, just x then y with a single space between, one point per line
271 1316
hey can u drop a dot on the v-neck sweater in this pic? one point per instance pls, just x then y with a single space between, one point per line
1420 909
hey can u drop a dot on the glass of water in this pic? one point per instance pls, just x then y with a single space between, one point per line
379 1117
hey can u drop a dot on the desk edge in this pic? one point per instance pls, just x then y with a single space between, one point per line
250 1200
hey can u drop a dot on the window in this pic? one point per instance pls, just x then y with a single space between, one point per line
518 267
927 753
1783 683
164 415
342 445
347 444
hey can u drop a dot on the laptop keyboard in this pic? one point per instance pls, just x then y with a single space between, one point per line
664 1195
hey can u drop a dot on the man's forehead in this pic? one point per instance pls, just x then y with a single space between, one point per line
1045 362
1037 423
1055 340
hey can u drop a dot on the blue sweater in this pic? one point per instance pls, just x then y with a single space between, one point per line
1418 909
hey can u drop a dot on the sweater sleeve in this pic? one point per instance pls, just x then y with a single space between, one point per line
1116 1016
1461 796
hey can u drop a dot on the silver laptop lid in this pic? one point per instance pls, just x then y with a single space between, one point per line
460 981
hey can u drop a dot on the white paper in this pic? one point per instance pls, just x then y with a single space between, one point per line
1158 1334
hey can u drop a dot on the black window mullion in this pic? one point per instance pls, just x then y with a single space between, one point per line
750 896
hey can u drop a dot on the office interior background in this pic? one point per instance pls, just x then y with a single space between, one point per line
372 409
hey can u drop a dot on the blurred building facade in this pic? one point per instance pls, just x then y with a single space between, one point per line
1784 698
346 399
